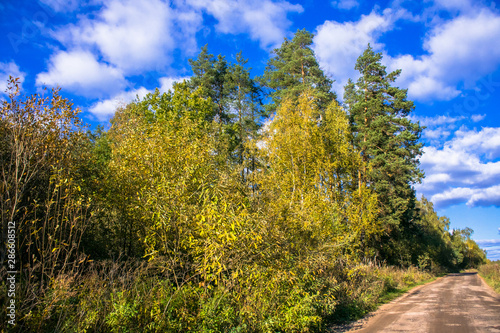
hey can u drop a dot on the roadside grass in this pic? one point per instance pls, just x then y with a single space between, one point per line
142 297
367 287
491 274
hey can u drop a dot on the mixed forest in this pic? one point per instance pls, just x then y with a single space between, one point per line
230 203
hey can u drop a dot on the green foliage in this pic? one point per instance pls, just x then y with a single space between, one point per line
293 70
388 144
213 222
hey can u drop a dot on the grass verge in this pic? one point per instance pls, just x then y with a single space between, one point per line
367 287
491 274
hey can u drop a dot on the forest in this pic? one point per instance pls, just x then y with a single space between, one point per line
230 203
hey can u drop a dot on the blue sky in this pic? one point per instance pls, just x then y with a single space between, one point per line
104 53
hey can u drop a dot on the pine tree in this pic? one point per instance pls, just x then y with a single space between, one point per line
211 75
387 140
244 100
293 70
236 100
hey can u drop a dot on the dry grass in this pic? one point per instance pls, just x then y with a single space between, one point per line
491 273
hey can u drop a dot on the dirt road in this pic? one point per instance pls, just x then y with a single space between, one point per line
455 303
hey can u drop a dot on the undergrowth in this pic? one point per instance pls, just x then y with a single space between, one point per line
491 273
365 287
141 297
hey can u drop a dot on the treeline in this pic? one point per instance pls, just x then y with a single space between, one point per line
228 204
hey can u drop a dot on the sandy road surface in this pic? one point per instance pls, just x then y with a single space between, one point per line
455 303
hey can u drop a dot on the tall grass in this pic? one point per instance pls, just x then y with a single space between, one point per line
138 296
491 273
365 287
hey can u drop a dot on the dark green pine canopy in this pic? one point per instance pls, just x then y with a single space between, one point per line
295 69
386 138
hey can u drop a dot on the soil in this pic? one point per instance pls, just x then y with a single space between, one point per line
455 303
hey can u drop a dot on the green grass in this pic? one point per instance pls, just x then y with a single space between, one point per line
491 274
393 294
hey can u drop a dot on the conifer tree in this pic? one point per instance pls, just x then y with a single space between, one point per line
211 76
245 104
293 70
387 140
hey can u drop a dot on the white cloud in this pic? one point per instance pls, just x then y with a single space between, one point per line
493 252
436 134
338 45
486 141
461 5
439 127
429 88
464 170
166 83
492 247
478 117
345 4
485 197
105 109
437 178
9 69
81 73
453 196
437 120
266 21
460 50
472 197
134 36
489 242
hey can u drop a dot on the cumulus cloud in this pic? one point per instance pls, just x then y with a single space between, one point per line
478 117
338 45
265 21
104 110
437 120
460 50
464 170
81 73
166 83
9 69
436 135
440 127
133 36
452 5
123 38
492 247
485 141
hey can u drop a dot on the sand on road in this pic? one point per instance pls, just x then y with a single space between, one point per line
455 303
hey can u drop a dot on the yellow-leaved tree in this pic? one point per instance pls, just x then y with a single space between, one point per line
307 180
178 196
43 211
